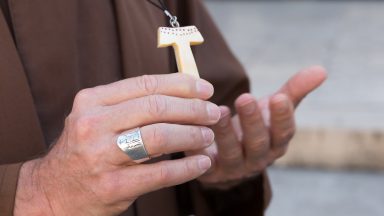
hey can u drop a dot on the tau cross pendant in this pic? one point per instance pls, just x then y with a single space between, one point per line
181 38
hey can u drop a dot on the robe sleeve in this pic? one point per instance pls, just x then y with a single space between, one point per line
20 136
218 65
9 175
250 198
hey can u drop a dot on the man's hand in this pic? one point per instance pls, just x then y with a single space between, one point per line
85 173
260 132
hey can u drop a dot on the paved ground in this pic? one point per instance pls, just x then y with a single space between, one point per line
275 39
319 193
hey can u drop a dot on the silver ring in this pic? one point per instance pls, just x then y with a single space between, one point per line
132 144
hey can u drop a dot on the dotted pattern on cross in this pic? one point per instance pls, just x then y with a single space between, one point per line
184 31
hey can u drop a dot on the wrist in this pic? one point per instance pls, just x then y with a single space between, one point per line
30 195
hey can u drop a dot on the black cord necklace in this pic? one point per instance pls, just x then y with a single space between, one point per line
162 6
180 38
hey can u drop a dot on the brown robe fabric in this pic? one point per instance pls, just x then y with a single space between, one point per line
50 49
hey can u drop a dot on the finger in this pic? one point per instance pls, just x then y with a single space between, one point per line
255 133
176 84
211 152
303 83
230 153
137 180
164 138
158 108
282 124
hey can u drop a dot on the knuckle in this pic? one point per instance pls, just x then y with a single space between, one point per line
195 134
223 129
287 135
163 175
69 121
260 141
259 144
189 168
85 125
148 83
190 86
257 150
157 105
232 155
82 97
158 137
255 120
257 166
195 107
280 152
283 117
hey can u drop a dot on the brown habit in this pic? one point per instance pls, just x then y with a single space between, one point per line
50 49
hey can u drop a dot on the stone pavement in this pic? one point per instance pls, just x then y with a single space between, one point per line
326 193
274 39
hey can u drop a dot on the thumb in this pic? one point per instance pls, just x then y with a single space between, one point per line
302 83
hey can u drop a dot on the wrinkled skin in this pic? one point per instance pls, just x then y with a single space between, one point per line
259 132
85 173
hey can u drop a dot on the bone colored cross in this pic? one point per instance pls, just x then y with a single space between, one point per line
182 39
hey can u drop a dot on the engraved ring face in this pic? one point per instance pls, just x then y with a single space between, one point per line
132 144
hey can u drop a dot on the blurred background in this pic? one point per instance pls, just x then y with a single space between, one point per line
335 165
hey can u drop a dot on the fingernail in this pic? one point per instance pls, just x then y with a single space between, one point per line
213 112
204 88
249 108
204 163
208 135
